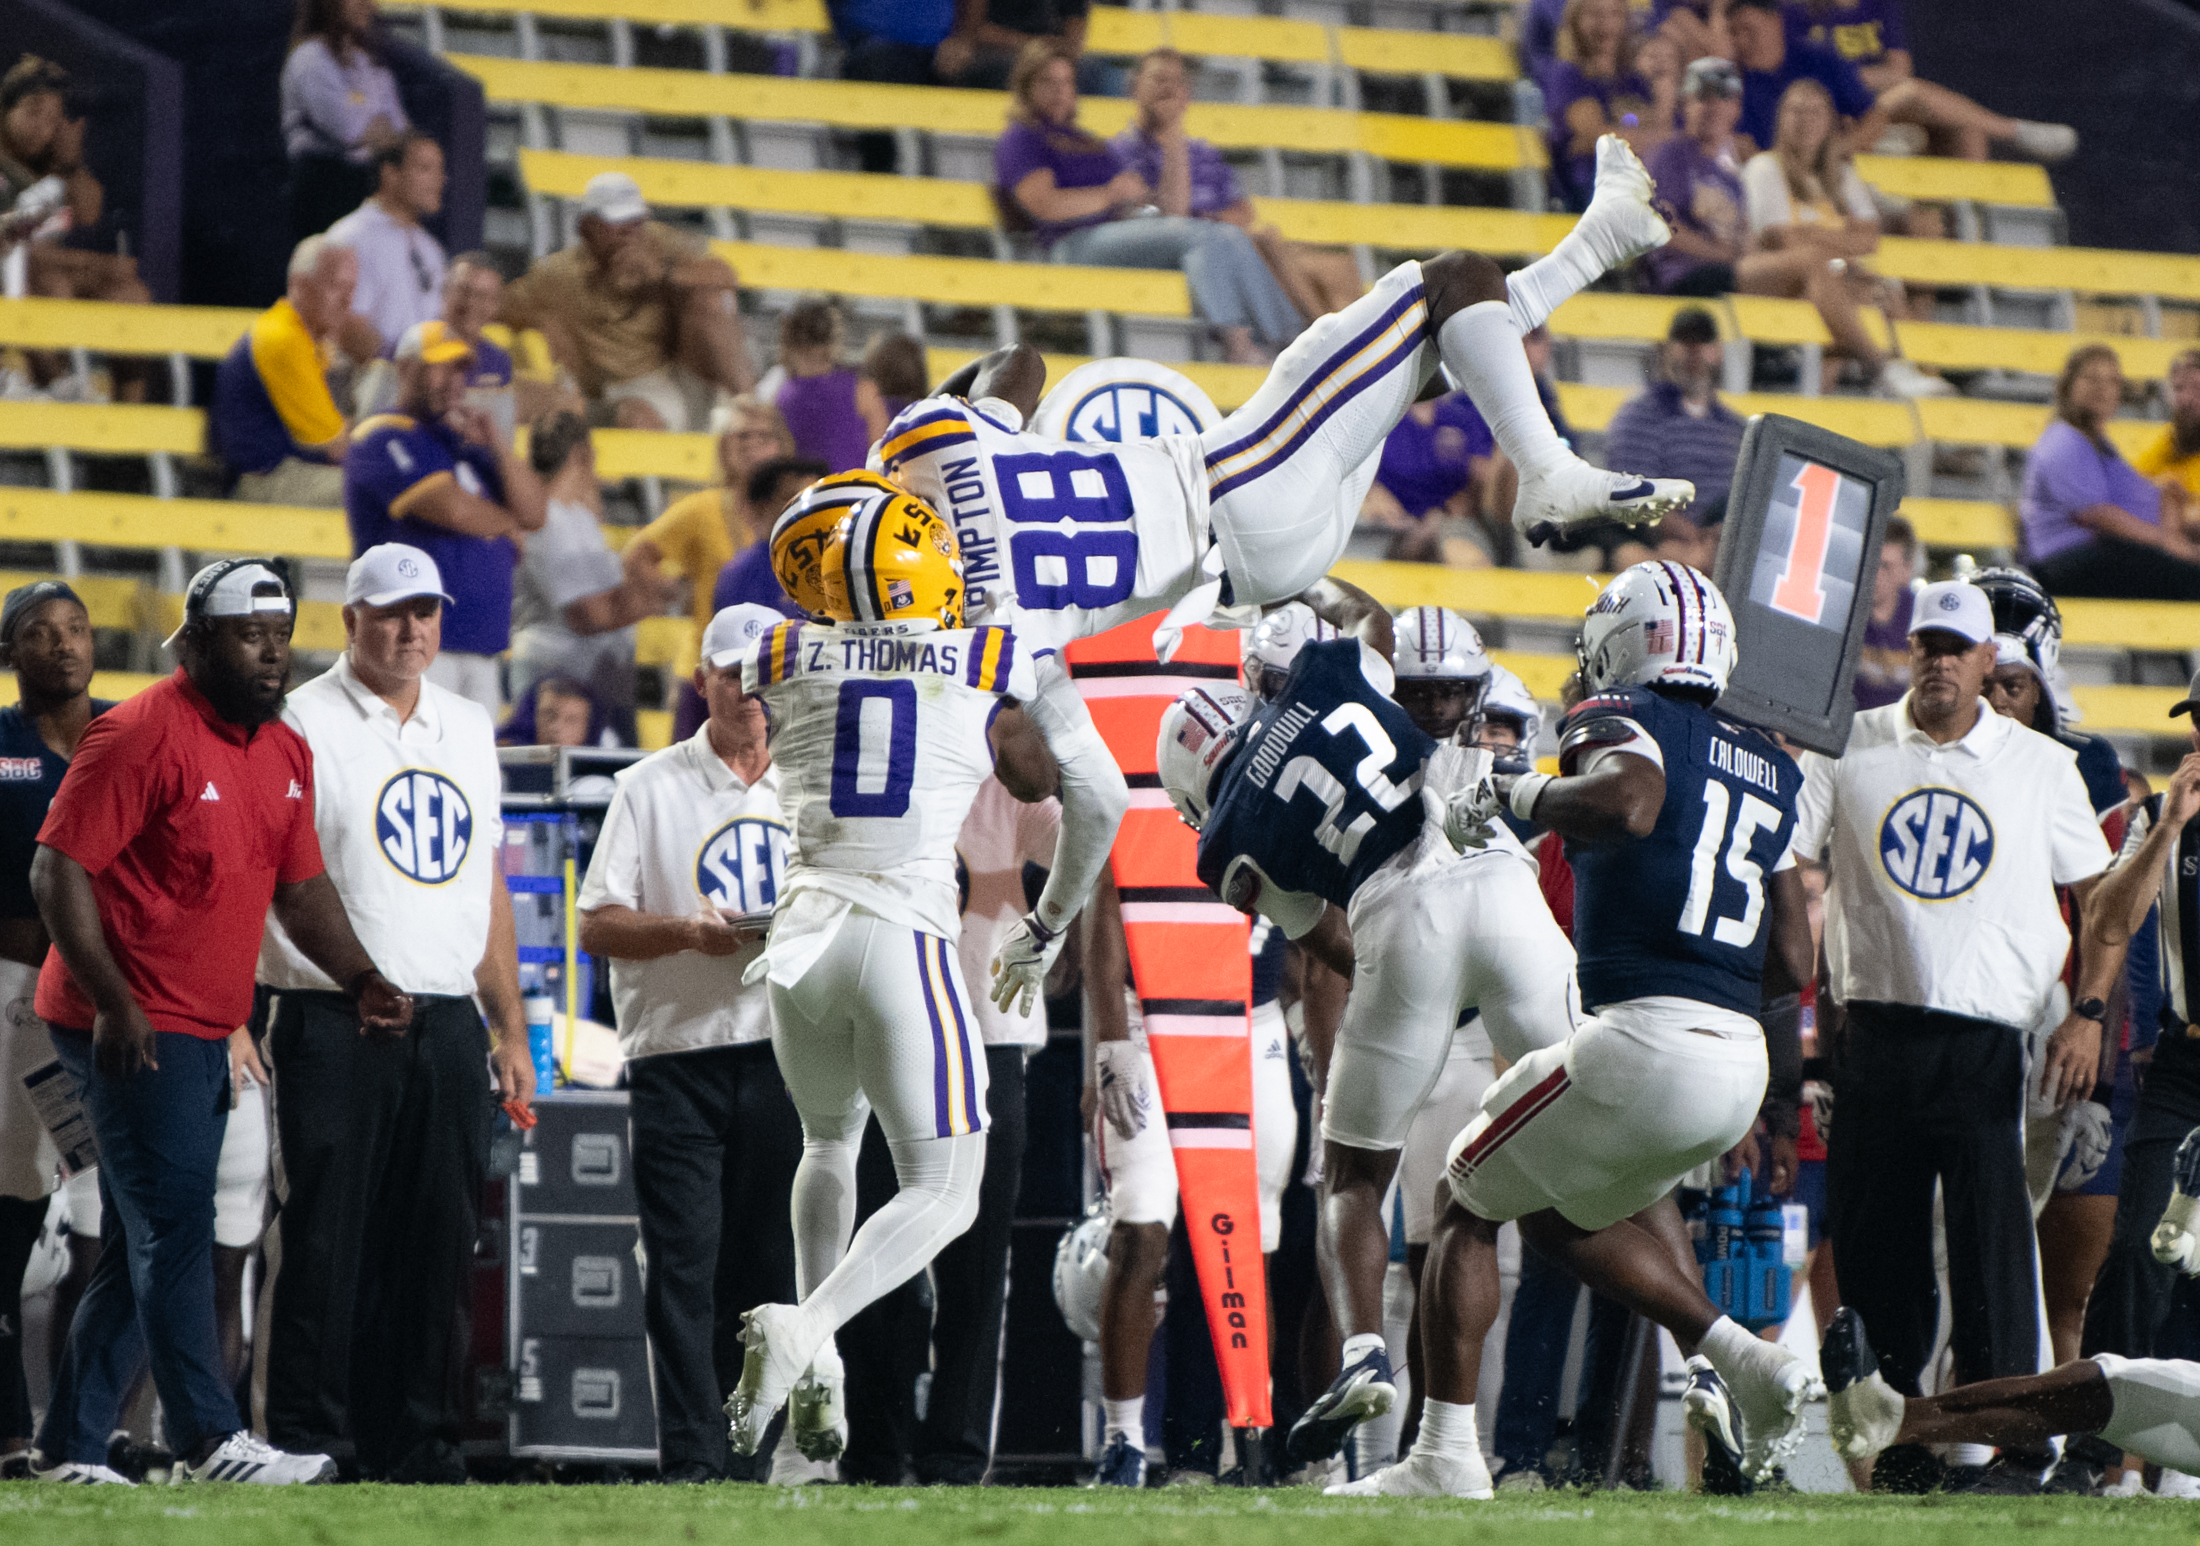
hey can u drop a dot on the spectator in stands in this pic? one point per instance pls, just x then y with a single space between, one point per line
1593 88
558 712
902 43
895 365
748 575
1429 480
1189 177
340 106
642 315
1699 174
1697 27
434 476
1883 669
1012 26
695 537
1076 191
1772 61
473 289
1810 222
1540 21
1679 426
834 413
2172 458
274 421
2093 525
400 264
573 607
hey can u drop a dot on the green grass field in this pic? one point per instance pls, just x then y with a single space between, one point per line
641 1516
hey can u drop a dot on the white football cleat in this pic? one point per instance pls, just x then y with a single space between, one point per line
817 1414
1570 494
1422 1475
778 1352
246 1457
1769 1392
1620 223
1863 1412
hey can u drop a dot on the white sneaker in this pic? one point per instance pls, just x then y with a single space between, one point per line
1863 1412
77 1474
779 1351
1570 494
1422 1475
2177 1484
246 1457
2129 1485
1899 378
1620 225
1769 1392
817 1415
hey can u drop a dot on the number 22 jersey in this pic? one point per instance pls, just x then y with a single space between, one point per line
1682 912
1059 539
879 735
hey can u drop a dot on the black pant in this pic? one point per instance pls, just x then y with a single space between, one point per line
2140 1308
20 1220
2120 570
883 1347
385 1143
716 1140
1921 1096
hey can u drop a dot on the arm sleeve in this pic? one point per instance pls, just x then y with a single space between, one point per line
2067 471
1855 197
1094 795
1813 808
673 533
615 869
290 370
2079 850
1016 155
396 469
1782 1109
104 800
1764 193
313 99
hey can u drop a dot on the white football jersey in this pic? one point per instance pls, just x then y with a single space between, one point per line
879 735
1060 539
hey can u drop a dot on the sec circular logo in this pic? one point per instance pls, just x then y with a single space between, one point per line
740 866
424 826
1125 411
1936 843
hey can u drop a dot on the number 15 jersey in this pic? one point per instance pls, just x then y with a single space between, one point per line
1682 912
879 736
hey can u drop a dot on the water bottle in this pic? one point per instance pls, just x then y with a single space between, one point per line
1725 1275
541 1010
1769 1274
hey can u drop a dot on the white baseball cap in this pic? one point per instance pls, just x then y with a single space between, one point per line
615 197
225 589
735 630
1953 606
390 572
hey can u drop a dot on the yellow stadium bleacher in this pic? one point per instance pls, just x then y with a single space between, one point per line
196 525
121 429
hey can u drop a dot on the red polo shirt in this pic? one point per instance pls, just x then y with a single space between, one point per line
185 825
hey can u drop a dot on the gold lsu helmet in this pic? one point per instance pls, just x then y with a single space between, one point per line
895 560
806 529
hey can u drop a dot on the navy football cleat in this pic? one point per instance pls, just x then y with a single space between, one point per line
1365 1389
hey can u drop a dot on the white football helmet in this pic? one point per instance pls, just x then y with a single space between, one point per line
1198 734
1507 697
1274 642
1437 644
1659 623
1080 1272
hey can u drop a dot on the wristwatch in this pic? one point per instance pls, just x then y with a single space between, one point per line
2090 1009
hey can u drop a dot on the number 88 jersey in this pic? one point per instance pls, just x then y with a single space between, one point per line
879 735
1681 912
1061 539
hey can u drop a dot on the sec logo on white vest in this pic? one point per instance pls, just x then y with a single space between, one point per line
1936 843
1123 399
424 826
741 865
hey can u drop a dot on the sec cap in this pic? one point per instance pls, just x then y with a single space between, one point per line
1953 606
735 630
225 589
390 572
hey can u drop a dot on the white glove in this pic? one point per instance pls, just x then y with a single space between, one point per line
1020 965
1470 815
1120 1069
2173 1243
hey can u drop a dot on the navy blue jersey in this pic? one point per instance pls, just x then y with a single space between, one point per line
1327 786
1268 946
1683 912
29 774
2100 767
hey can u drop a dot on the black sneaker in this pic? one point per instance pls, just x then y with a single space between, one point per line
430 1463
1908 1469
1365 1389
128 1457
689 1473
2086 1458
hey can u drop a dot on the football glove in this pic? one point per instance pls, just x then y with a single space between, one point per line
1020 966
1120 1069
2173 1243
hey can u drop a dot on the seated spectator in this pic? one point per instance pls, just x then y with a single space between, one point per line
1678 428
1883 669
573 607
697 534
902 43
41 143
1697 27
400 264
1010 27
1699 175
1428 480
2172 458
647 321
1810 222
434 476
1076 191
1189 177
340 106
473 289
895 365
1772 61
835 414
273 420
1593 88
2093 525
558 712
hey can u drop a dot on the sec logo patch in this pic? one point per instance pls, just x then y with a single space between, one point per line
1936 843
741 865
424 826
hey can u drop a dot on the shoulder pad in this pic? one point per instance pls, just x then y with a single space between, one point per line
1603 729
924 428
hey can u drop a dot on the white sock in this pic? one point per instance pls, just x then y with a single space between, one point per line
1544 285
1481 345
1447 1431
1970 1454
824 1208
938 1200
1127 1417
1727 1346
1356 1348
